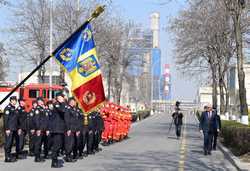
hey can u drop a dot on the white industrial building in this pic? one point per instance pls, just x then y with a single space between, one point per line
205 96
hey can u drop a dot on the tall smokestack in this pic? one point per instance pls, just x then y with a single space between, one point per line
155 27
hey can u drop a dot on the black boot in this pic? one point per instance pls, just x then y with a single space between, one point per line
31 153
55 164
20 156
9 159
80 156
38 159
69 159
205 152
91 153
85 154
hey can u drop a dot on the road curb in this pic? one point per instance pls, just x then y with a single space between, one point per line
235 161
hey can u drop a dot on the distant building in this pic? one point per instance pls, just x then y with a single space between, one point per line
234 86
34 78
205 96
155 27
141 42
156 73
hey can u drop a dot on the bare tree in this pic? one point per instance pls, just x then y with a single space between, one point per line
3 62
3 2
236 7
203 41
223 46
116 59
114 43
31 28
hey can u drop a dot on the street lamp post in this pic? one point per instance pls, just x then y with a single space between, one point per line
51 49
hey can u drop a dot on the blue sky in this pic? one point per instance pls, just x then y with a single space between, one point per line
139 11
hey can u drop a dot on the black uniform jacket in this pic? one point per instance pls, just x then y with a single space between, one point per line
41 119
22 118
31 122
10 118
57 119
73 119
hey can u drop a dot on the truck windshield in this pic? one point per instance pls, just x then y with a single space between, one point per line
33 93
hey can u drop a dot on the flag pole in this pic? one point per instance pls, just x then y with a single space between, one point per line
95 14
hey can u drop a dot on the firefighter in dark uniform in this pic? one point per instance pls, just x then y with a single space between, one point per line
41 120
98 133
22 127
91 130
57 128
95 131
73 127
49 110
31 126
10 127
78 150
84 136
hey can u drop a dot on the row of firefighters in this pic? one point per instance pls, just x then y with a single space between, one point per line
59 127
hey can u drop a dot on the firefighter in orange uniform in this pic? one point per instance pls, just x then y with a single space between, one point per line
105 115
115 125
117 121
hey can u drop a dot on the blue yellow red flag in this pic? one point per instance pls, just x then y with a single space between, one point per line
78 57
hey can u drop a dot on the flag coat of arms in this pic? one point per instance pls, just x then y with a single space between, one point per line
79 59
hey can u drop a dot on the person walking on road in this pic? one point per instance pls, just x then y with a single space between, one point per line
177 117
208 123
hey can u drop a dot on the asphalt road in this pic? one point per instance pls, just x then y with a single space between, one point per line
149 148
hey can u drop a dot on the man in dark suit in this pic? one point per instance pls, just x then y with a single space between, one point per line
208 123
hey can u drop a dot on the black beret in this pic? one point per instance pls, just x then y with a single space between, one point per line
21 99
34 101
13 98
71 98
59 94
49 102
39 99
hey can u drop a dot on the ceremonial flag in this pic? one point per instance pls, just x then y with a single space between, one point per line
78 57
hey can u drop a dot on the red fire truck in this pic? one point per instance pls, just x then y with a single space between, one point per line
29 93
